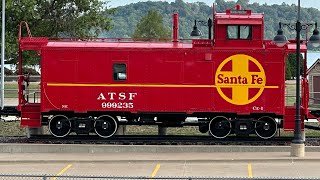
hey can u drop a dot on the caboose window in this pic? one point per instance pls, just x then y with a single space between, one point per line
119 72
239 32
232 32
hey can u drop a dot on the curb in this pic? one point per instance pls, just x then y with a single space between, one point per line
93 149
273 160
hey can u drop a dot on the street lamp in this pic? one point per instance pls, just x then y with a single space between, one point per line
315 38
2 52
280 40
197 32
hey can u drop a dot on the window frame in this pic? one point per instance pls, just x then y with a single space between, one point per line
239 32
115 71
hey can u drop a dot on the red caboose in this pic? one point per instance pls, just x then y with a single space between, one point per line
233 83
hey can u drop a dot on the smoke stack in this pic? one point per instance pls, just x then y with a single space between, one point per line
175 27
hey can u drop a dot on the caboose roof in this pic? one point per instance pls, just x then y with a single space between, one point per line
36 43
85 44
225 18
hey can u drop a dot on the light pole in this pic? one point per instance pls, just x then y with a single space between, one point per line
2 52
280 40
197 32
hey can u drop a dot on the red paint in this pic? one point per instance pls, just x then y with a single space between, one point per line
161 76
175 27
238 7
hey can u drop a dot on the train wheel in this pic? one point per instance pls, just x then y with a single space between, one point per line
220 127
266 127
59 126
105 126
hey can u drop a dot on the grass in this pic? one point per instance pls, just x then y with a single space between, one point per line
153 130
11 89
11 129
309 132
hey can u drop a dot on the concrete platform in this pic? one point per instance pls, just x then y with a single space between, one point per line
92 149
297 170
157 164
6 158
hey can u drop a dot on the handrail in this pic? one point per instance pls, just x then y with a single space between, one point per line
34 96
20 29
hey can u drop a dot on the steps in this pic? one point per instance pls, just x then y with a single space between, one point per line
30 115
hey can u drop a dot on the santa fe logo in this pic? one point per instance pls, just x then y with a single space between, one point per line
246 86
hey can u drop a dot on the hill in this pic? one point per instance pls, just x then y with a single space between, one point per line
126 17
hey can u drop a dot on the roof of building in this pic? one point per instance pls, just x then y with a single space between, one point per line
313 65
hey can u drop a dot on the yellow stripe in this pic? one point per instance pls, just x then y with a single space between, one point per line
156 85
62 171
125 85
250 171
271 87
155 171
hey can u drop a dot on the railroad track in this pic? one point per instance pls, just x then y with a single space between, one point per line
160 140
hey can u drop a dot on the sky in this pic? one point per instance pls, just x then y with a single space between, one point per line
304 3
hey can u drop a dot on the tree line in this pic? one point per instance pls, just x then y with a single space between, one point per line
53 18
127 17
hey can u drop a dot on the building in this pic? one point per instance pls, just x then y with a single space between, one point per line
314 83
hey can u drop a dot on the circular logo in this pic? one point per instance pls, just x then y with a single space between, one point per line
240 79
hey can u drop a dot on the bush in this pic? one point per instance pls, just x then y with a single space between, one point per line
8 72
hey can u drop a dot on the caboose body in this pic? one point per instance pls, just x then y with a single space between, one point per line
233 83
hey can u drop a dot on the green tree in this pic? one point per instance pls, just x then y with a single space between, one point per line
151 26
291 65
128 16
54 18
243 2
289 73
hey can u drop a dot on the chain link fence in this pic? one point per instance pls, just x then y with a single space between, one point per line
49 177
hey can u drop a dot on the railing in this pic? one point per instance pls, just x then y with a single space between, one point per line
32 95
314 100
35 97
14 78
125 40
290 94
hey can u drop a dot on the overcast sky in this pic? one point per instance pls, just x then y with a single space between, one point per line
304 3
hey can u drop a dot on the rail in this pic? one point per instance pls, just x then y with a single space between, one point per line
14 78
13 93
125 40
290 94
314 100
35 96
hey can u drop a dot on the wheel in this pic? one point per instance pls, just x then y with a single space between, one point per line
59 126
105 126
266 127
220 127
204 128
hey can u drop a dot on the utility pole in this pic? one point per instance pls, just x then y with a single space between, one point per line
2 52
